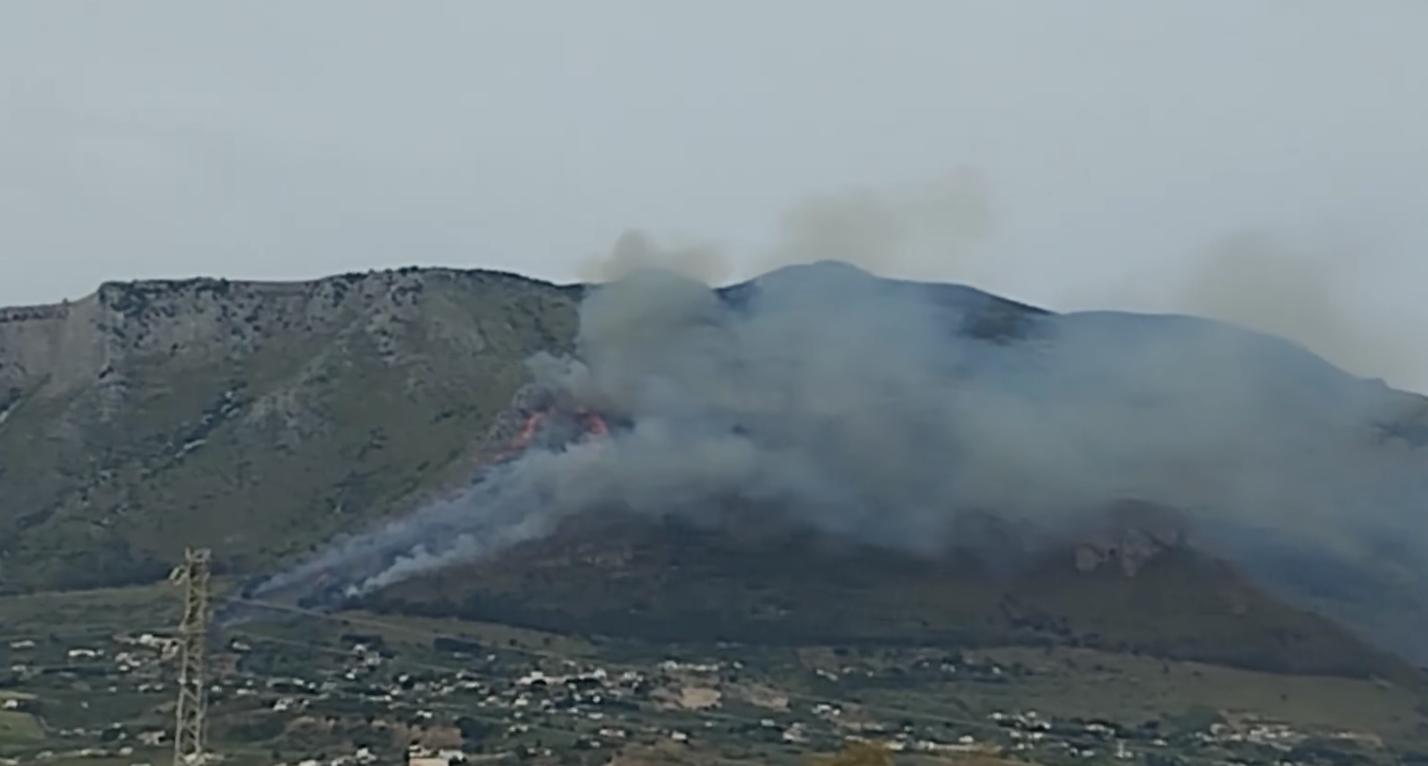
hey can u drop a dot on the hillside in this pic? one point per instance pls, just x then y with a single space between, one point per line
258 419
669 581
263 419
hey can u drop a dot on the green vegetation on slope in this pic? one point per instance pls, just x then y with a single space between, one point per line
263 448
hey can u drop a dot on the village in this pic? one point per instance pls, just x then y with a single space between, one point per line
361 701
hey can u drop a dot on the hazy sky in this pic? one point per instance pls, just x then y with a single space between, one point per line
1118 141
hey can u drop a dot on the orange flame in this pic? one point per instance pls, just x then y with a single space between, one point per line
523 439
593 424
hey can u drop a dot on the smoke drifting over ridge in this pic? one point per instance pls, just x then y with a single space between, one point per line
860 406
1307 289
635 251
926 231
856 405
1340 301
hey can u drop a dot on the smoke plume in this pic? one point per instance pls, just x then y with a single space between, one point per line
1317 294
635 251
927 231
859 406
1341 301
924 231
1314 290
864 408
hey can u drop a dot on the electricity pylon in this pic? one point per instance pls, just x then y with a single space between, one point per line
192 576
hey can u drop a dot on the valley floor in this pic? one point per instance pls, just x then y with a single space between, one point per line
84 679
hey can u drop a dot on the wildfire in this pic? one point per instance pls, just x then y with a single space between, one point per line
592 424
528 431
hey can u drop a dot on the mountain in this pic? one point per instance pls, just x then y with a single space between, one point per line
263 419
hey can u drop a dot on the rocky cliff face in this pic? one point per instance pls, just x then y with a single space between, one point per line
154 415
69 345
62 343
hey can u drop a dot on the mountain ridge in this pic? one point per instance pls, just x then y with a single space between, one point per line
262 418
131 385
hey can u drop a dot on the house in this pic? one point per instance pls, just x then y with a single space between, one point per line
420 756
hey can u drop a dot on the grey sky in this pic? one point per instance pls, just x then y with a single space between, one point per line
1119 140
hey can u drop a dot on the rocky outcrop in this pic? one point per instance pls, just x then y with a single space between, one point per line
72 344
160 414
62 344
218 316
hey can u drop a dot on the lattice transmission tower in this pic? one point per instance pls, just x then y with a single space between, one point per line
192 575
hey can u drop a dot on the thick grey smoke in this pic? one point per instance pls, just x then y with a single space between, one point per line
855 405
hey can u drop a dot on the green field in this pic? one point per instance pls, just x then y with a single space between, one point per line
18 728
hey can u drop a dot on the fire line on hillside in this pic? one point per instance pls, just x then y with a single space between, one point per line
892 415
545 426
